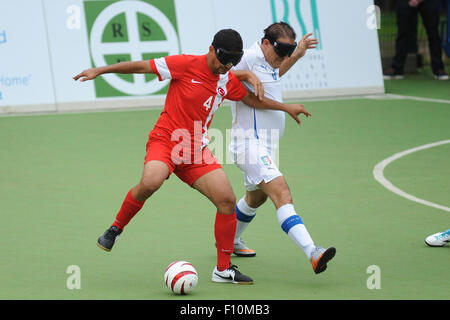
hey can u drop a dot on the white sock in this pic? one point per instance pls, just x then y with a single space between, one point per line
244 215
293 225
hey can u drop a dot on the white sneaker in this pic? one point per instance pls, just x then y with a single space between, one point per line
230 275
439 239
441 75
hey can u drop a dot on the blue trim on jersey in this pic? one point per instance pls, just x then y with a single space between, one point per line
290 222
243 217
254 124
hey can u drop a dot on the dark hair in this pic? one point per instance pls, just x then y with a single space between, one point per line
277 30
228 39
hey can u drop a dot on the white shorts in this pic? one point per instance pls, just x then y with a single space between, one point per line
256 161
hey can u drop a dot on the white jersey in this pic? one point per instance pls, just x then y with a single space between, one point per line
265 125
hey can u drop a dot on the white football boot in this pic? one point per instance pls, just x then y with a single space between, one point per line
439 239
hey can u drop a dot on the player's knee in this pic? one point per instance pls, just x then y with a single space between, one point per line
260 201
226 204
147 187
256 202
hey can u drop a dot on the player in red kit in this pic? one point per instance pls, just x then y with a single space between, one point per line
178 142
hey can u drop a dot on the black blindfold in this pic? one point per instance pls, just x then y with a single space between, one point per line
226 57
283 49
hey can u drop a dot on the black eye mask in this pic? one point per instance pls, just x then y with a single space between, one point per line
283 49
226 57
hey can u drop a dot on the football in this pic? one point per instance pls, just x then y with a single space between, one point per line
181 277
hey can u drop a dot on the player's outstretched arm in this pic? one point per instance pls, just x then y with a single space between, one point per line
252 79
292 109
121 67
304 44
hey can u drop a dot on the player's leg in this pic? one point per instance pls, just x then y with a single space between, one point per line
245 212
253 159
291 223
405 16
255 198
217 188
430 13
154 174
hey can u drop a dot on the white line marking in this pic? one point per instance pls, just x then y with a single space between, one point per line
378 174
398 96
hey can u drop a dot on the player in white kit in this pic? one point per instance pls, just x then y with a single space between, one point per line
255 135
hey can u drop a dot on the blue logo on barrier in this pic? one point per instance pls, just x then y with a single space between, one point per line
1 95
15 81
3 37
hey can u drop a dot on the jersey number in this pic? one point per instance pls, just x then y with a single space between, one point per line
207 103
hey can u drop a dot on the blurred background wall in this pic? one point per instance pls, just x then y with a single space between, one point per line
419 55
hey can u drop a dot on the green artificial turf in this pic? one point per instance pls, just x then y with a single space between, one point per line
64 177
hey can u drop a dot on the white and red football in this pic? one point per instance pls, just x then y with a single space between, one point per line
181 277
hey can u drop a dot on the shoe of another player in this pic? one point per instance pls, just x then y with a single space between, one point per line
230 275
241 250
439 239
107 240
441 75
392 75
320 257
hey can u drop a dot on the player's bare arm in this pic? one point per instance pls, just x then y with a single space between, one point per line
304 44
121 67
292 109
252 79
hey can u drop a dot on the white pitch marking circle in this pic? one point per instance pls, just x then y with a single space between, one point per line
378 174
134 46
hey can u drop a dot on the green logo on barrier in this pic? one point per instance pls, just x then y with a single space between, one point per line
298 14
130 31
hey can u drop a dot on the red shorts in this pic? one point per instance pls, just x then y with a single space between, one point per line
189 168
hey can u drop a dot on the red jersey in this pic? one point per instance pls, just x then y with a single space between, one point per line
194 95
